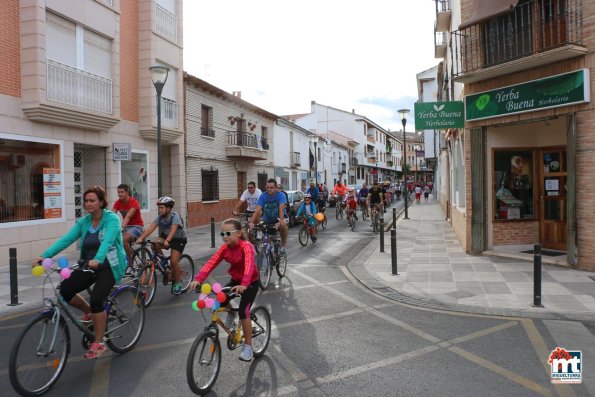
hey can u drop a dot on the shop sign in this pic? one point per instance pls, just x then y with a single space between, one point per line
122 152
420 153
439 115
52 193
552 92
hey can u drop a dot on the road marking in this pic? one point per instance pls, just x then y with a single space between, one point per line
542 353
100 378
501 371
483 332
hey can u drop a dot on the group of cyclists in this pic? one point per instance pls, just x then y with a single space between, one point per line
105 245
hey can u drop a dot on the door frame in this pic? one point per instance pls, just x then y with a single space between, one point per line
562 198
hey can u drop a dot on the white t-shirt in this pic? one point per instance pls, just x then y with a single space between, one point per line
251 198
418 190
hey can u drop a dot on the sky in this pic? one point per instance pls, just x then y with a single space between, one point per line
282 54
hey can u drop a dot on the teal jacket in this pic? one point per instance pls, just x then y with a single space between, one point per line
110 235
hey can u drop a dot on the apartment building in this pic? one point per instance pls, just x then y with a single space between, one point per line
229 142
293 155
528 139
78 109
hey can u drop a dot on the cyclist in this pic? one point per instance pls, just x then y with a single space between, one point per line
321 202
171 234
313 191
363 195
351 204
132 221
375 198
102 248
340 189
308 208
239 253
249 196
272 207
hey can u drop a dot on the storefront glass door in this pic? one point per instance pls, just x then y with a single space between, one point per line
552 196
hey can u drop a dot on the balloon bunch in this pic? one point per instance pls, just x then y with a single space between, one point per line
204 300
48 264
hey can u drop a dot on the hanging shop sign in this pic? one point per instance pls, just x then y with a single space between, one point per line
552 92
122 152
439 115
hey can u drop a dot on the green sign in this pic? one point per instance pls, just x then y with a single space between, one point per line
439 115
552 92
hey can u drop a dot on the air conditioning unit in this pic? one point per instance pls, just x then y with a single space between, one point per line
17 160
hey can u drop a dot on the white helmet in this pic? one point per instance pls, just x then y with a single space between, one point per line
167 201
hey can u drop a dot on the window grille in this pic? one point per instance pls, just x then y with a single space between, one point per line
262 180
210 184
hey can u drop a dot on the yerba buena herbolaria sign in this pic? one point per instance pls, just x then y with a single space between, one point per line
439 115
551 92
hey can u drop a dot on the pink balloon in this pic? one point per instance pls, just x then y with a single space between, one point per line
217 288
209 302
65 273
47 263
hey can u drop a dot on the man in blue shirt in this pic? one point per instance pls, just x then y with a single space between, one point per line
363 195
313 191
272 207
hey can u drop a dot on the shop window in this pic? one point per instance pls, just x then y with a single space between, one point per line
135 175
31 180
513 184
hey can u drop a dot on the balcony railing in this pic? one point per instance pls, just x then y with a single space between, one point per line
73 86
248 140
442 15
207 132
169 113
531 28
439 44
442 6
296 159
166 23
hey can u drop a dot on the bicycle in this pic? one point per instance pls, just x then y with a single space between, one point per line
375 217
364 209
39 354
147 264
252 235
204 358
269 254
340 207
351 218
307 232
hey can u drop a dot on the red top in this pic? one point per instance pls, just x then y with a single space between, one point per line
241 259
137 219
352 203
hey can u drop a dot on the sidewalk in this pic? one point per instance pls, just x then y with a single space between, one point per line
434 271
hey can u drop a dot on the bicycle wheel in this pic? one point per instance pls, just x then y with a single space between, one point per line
204 362
147 283
261 329
264 269
338 211
303 236
375 222
37 359
352 223
281 265
364 215
125 319
324 223
186 271
139 259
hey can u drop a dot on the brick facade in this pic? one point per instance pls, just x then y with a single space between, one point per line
129 60
506 233
200 214
10 57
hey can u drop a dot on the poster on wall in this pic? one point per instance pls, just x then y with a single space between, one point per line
52 193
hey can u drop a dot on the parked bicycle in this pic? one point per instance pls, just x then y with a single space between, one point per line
269 255
39 355
204 359
307 232
148 261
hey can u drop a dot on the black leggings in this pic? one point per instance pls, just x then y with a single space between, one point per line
246 300
79 280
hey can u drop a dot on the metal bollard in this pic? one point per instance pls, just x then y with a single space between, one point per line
212 232
381 234
393 251
14 288
394 219
537 275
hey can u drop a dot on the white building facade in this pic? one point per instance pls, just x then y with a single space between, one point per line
293 155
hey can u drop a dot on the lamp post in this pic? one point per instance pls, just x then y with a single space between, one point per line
159 76
315 142
403 114
415 177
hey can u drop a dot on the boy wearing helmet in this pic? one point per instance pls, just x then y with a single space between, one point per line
308 209
172 234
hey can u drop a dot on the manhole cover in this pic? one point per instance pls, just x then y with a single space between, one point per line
460 294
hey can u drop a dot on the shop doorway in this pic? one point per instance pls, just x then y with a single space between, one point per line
553 232
242 183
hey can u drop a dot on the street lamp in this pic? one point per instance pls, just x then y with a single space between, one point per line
159 77
403 114
315 142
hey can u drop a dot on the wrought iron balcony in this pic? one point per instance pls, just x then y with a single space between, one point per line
443 14
535 33
207 132
246 145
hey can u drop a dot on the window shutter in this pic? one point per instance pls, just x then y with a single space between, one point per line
60 40
97 53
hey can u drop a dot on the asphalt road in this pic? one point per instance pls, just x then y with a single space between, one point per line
331 337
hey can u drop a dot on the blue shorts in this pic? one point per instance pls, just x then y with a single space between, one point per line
134 231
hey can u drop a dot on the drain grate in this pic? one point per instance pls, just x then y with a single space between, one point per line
460 294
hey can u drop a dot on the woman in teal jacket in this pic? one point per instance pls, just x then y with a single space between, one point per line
100 234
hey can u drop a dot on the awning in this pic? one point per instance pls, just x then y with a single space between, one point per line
482 10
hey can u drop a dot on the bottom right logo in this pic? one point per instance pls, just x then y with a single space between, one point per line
566 365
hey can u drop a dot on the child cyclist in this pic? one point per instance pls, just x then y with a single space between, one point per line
308 208
351 203
172 235
239 253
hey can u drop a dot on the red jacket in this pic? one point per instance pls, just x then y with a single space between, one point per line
241 259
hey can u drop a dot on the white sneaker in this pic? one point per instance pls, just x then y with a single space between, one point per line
247 353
